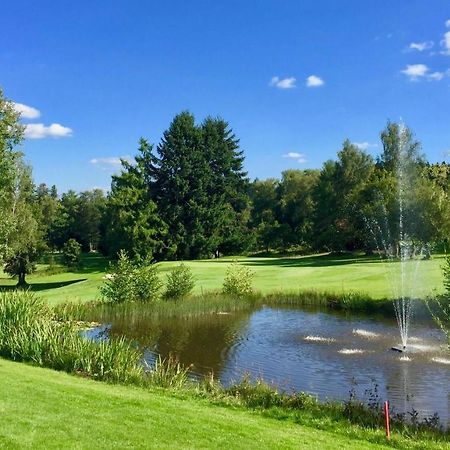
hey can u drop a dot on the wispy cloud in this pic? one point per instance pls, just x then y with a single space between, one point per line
283 83
436 76
300 157
445 43
27 112
421 46
40 131
364 145
447 23
415 71
110 162
314 81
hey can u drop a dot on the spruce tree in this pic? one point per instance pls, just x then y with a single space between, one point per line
133 223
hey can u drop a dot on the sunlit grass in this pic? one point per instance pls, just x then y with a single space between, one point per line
336 274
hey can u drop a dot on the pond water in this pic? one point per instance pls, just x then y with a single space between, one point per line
321 352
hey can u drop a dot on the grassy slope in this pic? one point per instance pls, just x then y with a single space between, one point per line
319 272
46 409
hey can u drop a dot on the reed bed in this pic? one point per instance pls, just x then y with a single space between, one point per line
29 332
216 303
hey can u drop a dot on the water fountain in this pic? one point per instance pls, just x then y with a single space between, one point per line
399 248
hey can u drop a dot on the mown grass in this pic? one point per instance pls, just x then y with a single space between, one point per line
332 274
45 409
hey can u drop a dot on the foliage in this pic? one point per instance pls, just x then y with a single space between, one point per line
28 332
439 306
71 253
74 216
198 183
119 281
238 280
132 220
128 281
11 135
169 373
180 283
25 243
147 284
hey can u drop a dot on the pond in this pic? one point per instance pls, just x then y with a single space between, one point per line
324 353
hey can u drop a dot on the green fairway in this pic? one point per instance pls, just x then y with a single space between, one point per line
318 272
41 408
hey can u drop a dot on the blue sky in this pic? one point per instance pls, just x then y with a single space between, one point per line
293 78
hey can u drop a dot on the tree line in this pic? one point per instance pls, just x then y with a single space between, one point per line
189 197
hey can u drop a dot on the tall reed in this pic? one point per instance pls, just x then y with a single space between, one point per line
29 332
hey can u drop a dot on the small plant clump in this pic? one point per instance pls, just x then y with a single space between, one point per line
238 280
128 281
71 253
169 373
180 283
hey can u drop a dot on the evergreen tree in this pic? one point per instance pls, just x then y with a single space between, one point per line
132 220
198 183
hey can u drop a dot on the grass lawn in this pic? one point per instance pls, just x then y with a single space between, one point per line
317 272
41 408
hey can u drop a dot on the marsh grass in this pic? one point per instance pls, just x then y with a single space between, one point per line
30 333
215 302
169 373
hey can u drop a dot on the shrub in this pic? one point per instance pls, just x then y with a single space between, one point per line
238 280
71 253
180 283
146 283
129 282
119 285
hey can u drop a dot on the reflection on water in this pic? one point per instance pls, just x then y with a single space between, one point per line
323 353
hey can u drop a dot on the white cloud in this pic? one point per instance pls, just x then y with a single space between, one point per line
436 76
314 81
415 71
110 162
283 83
26 112
364 145
446 43
447 23
421 46
40 131
300 157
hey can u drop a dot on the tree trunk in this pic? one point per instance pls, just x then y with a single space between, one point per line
22 281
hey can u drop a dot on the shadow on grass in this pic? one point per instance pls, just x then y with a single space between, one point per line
35 287
305 261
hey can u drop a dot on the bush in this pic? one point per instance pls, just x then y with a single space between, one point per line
146 283
129 282
238 280
71 253
119 285
180 283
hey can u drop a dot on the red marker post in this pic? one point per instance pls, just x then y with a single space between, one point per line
387 424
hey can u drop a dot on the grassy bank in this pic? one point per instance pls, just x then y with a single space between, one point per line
46 409
324 273
30 333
